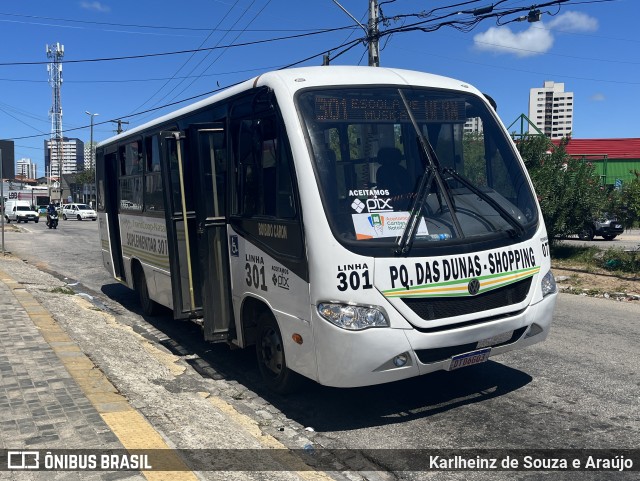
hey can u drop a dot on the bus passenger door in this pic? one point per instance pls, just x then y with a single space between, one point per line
208 143
178 179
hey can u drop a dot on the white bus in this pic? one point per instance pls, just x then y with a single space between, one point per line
342 220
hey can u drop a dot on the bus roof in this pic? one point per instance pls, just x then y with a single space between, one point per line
298 78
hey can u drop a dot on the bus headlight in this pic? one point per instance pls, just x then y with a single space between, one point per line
353 318
548 284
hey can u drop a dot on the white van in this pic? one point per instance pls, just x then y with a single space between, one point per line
20 211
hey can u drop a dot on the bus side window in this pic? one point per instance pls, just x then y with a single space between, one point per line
247 165
265 186
153 200
131 176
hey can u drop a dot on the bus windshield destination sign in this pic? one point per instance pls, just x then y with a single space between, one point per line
357 108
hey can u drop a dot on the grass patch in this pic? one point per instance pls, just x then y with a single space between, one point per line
591 258
62 290
574 254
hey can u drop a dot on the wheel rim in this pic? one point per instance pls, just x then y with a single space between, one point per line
272 354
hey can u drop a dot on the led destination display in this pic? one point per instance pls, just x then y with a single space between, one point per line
359 108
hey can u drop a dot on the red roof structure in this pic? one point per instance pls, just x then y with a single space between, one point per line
612 148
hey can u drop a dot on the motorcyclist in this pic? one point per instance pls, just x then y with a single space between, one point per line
51 209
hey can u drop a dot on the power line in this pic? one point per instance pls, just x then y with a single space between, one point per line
150 79
188 60
503 67
348 46
220 54
246 10
467 23
180 52
161 27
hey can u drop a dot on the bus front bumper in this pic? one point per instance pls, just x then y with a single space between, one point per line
375 356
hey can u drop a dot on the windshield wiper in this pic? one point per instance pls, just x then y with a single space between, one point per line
431 172
504 213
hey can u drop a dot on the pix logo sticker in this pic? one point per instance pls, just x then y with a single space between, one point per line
358 206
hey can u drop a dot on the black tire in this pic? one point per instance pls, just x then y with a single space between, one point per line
586 234
64 216
8 220
36 221
79 218
149 306
50 226
272 361
609 237
94 219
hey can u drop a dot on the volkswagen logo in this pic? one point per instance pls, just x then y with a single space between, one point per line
474 286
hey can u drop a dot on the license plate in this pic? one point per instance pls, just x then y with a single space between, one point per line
469 359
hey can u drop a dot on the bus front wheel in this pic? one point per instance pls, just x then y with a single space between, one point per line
271 357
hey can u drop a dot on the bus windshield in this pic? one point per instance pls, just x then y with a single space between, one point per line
381 152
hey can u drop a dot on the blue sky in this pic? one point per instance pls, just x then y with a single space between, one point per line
590 46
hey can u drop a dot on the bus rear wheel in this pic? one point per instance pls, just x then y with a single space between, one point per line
271 357
149 306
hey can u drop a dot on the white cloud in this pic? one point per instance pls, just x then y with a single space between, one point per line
597 97
574 22
97 6
533 41
536 39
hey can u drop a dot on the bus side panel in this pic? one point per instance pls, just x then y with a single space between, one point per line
105 243
145 238
258 275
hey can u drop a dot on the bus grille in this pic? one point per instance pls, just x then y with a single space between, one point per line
431 309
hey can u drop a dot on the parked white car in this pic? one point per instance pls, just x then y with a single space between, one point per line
78 211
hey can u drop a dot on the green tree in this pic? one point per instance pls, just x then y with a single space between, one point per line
629 201
86 177
475 168
568 189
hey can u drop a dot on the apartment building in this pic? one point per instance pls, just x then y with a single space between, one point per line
551 110
26 168
70 153
473 125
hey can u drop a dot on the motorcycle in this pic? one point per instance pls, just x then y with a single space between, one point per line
52 220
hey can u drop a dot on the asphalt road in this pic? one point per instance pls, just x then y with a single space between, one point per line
628 240
580 389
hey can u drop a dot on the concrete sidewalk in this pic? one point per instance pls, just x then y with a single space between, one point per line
53 396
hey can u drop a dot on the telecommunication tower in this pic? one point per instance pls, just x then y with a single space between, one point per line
55 52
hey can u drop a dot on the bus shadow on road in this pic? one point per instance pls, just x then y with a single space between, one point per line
326 408
400 401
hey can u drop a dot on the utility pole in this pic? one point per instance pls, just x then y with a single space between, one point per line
119 122
92 151
372 34
371 31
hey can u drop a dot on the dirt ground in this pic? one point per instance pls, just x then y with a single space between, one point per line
574 280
